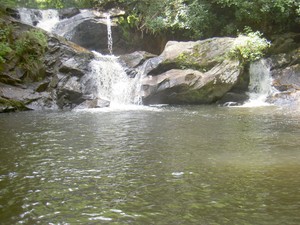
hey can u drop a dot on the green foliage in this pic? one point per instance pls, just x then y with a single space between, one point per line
196 19
267 16
249 47
5 39
12 105
4 50
27 48
30 48
190 19
31 44
42 4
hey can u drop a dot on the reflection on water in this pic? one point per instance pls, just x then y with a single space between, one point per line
192 165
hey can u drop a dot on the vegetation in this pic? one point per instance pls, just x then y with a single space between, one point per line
5 42
184 20
195 19
28 49
42 4
191 19
249 47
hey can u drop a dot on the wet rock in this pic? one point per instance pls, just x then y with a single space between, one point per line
135 59
89 30
68 12
285 71
233 99
284 43
93 103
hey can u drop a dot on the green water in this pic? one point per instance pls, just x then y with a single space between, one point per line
169 165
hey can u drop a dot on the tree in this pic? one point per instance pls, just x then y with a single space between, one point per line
268 16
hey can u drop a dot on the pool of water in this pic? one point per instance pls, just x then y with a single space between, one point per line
151 165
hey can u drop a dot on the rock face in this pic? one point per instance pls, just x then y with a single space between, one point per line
63 84
285 69
88 28
191 73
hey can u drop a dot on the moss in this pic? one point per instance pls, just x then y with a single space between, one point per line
197 59
190 77
8 105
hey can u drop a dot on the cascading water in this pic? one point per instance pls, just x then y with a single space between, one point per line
260 86
49 20
44 19
112 83
108 79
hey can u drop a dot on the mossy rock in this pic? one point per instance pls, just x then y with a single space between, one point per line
9 105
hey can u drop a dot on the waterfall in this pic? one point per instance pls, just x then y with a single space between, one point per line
107 79
260 86
49 20
109 35
26 16
110 81
45 19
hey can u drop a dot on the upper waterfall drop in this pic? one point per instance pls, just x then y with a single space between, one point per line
109 35
260 86
44 19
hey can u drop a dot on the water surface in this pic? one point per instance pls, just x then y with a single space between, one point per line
159 165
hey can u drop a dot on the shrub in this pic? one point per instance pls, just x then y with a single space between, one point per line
4 50
5 39
30 48
249 47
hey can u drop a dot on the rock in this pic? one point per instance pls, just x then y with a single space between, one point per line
191 73
19 99
136 58
68 12
94 103
132 62
284 43
89 30
13 12
285 71
233 99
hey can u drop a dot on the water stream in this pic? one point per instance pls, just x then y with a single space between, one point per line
44 19
109 35
260 86
112 83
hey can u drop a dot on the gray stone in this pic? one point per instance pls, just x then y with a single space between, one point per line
191 73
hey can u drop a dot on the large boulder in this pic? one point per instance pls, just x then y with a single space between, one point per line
191 73
89 30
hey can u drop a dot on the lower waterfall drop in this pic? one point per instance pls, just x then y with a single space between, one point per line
260 86
110 81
